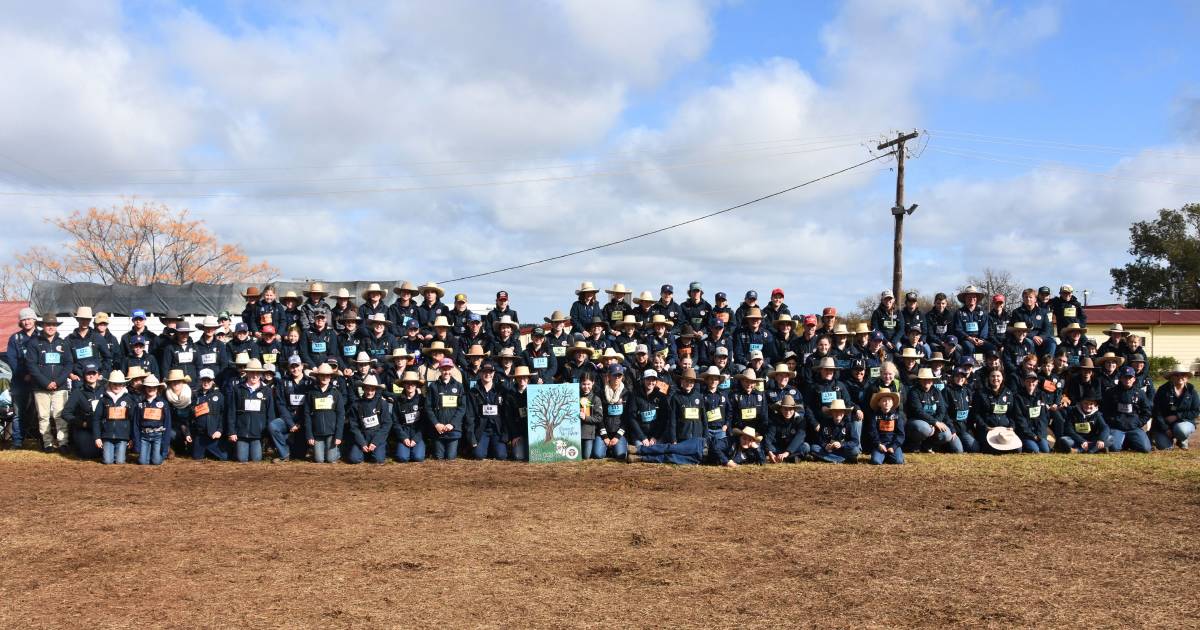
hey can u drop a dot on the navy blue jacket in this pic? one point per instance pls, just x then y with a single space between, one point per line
324 412
1125 409
446 403
971 324
116 424
880 429
49 361
370 421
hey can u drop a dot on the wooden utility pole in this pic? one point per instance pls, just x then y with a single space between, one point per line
899 211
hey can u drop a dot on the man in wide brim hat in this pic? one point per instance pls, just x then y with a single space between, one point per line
1109 357
316 289
406 287
556 316
586 287
969 291
618 289
505 320
373 288
432 286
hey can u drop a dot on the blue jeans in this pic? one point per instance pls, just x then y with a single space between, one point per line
249 450
491 445
22 399
414 453
847 454
616 452
966 442
587 447
689 451
879 457
1178 432
1040 445
1049 345
324 450
113 451
203 444
1135 440
355 454
283 439
150 451
1069 445
445 448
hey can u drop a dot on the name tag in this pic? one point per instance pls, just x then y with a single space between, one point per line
962 414
691 413
210 358
931 408
1083 427
696 320
756 347
201 409
319 346
941 330
972 327
1035 412
324 403
152 413
618 315
649 416
53 358
596 354
828 397
252 404
541 363
889 323
713 415
83 353
559 351
491 410
1125 407
939 386
724 384
264 319
887 426
371 421
629 347
410 417
616 410
999 409
296 399
116 413
1069 311
1001 328
749 413
349 351
874 372
449 401
185 357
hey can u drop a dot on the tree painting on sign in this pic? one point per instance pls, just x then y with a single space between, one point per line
553 422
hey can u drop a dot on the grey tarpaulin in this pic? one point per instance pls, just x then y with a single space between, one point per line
63 298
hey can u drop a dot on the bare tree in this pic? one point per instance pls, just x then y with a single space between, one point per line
993 281
552 406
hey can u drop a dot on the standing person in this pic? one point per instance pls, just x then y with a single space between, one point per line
153 422
178 392
445 410
885 428
324 416
590 414
137 328
373 303
370 422
501 309
485 428
343 305
85 344
50 369
516 414
1067 310
113 420
1176 406
250 407
617 307
21 386
885 319
431 308
1037 318
585 309
696 310
667 307
268 311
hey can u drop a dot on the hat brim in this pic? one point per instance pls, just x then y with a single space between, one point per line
440 291
1002 440
366 295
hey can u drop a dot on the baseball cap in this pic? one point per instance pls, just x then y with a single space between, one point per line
642 349
488 367
756 354
1128 371
666 288
538 331
268 330
460 297
721 351
90 367
295 360
829 311
474 317
910 297
240 327
811 320
752 294
501 294
998 298
1043 290
27 313
877 336
695 286
615 370
914 328
966 361
716 323
721 295
776 291
1029 375
858 364
952 340
1066 288
413 325
207 373
886 294
963 370
136 314
223 316
650 374
137 340
445 363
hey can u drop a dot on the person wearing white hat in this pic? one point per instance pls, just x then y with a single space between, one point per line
506 333
926 426
971 321
748 449
291 310
409 425
445 410
85 344
1067 310
152 423
404 309
618 305
21 385
207 417
377 342
112 422
884 428
431 308
251 405
343 306
370 420
993 409
585 309
314 302
716 411
324 415
750 336
181 352
837 439
372 303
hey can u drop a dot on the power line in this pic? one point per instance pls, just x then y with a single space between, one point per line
670 227
1051 144
1056 167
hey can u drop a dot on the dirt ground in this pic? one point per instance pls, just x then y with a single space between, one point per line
1100 541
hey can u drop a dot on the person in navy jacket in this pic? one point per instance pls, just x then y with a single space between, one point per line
1084 428
251 405
1176 406
884 428
50 363
410 426
153 422
446 410
1127 410
971 322
370 420
112 422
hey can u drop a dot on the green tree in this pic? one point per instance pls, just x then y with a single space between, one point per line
1165 272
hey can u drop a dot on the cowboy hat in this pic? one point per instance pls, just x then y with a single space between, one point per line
405 286
1177 372
362 358
1003 439
252 292
586 287
521 371
290 295
787 402
151 382
441 322
749 432
936 357
350 315
1109 357
116 377
781 368
323 370
712 372
476 350
241 359
748 375
841 331
784 319
658 318
687 375
136 372
579 346
377 318
827 363
48 320
753 313
177 375
910 353
254 365
372 288
1116 328
343 294
925 374
411 376
645 296
369 381
862 328
505 320
970 290
83 312
628 320
436 346
1015 326
432 286
316 288
507 352
618 289
400 353
609 353
209 321
884 393
557 316
1070 327
837 405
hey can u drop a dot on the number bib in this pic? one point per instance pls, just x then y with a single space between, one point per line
999 409
83 353
319 347
53 358
887 426
371 421
296 399
449 401
629 347
972 327
1035 412
874 372
962 414
410 417
252 404
116 413
491 410
749 413
540 363
152 413
349 351
184 357
324 403
713 415
650 415
201 409
1069 311
1083 427
616 410
210 358
691 413
559 351
828 397
1124 408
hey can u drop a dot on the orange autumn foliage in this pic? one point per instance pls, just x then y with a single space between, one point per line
133 243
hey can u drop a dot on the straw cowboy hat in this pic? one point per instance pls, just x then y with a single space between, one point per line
1003 439
372 288
841 331
748 375
177 376
323 370
255 366
350 315
785 320
658 318
400 353
369 381
1109 358
83 312
136 372
1016 326
436 346
629 321
152 382
936 357
586 287
557 316
432 286
609 353
713 372
343 294
521 371
505 320
884 393
441 322
1177 372
411 376
827 363
317 289
787 402
209 323
970 290
290 296
925 374
116 377
579 346
618 289
475 351
377 318
753 313
781 368
1070 327
363 359
862 328
750 433
507 352
252 293
910 353
405 286
645 296
838 405
1116 328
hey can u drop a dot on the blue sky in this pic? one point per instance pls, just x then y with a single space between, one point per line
617 118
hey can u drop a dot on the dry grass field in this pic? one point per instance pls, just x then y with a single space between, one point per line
1100 541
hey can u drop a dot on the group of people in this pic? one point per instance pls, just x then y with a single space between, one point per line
331 377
